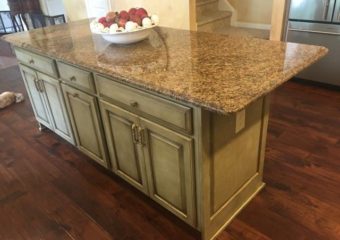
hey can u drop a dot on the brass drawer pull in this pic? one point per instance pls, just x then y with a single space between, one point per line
75 95
141 135
37 85
31 61
41 85
134 104
73 78
134 129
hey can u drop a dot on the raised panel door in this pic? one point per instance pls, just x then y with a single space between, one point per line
83 114
170 171
125 151
54 100
35 94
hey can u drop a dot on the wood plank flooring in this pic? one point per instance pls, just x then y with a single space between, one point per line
49 190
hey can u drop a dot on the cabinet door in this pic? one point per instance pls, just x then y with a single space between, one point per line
55 102
169 166
83 112
35 94
126 154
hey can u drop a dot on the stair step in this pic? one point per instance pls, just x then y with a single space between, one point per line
206 6
212 20
205 2
212 16
244 32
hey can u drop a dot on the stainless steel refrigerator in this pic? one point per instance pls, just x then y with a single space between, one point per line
317 22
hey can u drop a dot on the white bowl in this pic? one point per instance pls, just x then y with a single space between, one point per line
126 37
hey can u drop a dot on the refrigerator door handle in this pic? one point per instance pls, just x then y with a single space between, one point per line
325 8
313 31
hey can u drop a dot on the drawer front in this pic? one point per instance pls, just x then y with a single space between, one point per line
44 64
77 77
177 115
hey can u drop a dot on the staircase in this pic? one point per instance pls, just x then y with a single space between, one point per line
210 18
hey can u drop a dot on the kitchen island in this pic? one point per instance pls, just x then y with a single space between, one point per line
181 116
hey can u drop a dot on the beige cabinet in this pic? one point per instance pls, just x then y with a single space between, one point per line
173 115
37 61
125 151
84 113
47 102
35 94
169 166
53 98
202 166
152 158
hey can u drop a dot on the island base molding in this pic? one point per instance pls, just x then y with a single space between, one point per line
201 165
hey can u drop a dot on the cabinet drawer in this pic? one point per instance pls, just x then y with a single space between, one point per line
77 77
177 115
44 64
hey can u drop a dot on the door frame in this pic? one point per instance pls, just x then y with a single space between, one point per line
87 4
279 19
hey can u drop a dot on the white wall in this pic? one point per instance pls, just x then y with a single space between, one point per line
75 9
253 11
173 13
97 8
3 5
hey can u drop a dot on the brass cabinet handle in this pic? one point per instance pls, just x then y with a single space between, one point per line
31 61
36 85
75 95
41 85
73 78
134 104
141 136
134 133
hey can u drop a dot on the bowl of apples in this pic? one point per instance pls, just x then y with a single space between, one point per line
125 27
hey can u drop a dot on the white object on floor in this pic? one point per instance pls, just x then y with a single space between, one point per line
8 98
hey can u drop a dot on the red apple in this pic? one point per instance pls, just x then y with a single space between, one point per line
141 12
122 22
143 16
102 20
132 11
107 24
124 14
110 16
136 19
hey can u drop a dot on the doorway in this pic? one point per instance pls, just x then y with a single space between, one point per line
97 8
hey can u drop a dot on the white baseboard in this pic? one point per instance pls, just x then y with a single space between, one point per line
252 25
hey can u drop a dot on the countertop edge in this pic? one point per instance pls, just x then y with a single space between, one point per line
173 95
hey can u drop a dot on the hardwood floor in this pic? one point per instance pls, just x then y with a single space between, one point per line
49 190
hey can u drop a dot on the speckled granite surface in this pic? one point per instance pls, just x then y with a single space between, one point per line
217 72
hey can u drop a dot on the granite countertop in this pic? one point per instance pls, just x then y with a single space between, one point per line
218 72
